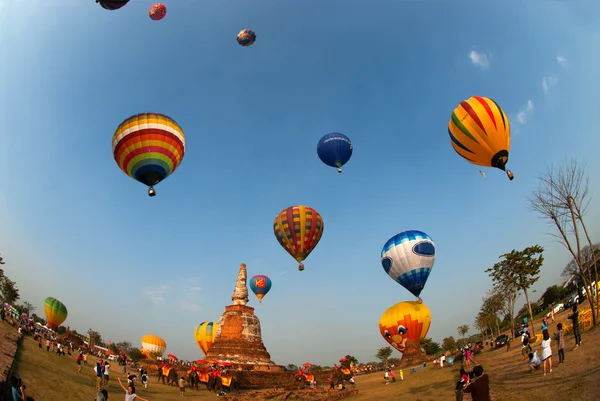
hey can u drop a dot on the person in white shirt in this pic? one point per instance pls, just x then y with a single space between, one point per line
442 359
106 373
546 352
534 361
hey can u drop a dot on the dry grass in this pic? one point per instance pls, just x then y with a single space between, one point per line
52 378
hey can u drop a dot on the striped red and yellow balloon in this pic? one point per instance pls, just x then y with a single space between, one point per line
409 320
204 334
56 312
298 230
148 147
480 132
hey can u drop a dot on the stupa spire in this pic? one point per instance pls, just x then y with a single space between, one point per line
240 293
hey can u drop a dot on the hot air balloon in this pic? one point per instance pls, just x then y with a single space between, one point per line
260 286
298 230
148 147
112 4
204 334
56 312
157 12
405 321
246 37
408 259
480 133
335 150
153 345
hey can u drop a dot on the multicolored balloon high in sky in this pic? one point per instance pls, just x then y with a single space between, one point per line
480 132
204 334
246 37
408 258
153 345
335 150
56 312
148 147
260 286
403 322
157 12
112 4
298 230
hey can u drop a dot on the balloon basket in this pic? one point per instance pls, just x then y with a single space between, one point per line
510 175
151 192
339 170
301 267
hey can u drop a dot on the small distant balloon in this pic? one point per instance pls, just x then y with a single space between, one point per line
260 286
246 37
157 12
335 150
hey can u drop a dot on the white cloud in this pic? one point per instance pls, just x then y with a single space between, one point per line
156 294
190 301
524 113
479 59
561 60
548 82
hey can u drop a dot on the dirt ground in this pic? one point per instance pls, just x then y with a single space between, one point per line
50 377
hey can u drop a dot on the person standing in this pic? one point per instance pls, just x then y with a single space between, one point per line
479 387
561 343
574 317
106 373
546 352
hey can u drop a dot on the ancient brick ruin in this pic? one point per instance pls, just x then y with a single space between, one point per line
238 338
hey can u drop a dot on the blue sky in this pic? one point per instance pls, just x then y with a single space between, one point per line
387 74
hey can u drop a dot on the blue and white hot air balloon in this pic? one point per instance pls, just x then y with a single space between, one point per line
408 259
335 150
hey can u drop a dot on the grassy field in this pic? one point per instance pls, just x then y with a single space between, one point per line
52 378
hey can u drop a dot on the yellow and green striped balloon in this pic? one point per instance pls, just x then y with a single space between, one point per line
56 312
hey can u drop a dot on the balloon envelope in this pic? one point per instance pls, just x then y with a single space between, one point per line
56 312
260 286
153 344
298 230
246 37
204 334
408 258
335 150
409 320
157 12
480 132
112 4
148 147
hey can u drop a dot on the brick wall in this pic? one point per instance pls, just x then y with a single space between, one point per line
8 351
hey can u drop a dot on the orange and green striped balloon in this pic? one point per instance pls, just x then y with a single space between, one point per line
148 147
480 132
298 230
56 312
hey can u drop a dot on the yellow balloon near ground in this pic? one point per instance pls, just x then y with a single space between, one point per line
409 320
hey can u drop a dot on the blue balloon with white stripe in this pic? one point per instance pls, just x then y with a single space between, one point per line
335 150
408 258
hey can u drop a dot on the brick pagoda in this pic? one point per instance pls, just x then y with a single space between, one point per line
238 338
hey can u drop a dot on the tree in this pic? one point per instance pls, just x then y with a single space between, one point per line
518 270
562 199
553 295
492 305
352 359
292 367
430 346
1 260
394 361
449 344
383 354
124 345
60 330
136 355
95 338
462 330
25 307
482 324
8 289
